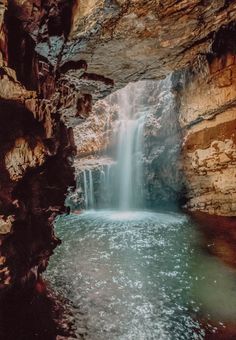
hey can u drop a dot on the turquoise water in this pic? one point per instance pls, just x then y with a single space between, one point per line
140 276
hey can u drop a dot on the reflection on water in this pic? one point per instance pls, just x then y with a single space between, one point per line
141 276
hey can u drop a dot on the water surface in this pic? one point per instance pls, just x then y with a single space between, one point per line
141 276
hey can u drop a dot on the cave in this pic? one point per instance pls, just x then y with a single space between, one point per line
118 170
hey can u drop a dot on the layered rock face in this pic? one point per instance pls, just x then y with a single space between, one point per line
191 155
56 58
208 119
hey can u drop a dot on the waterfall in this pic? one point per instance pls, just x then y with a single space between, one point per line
85 190
129 165
119 183
88 189
138 179
129 138
91 191
105 188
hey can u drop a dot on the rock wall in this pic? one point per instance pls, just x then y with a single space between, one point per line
191 156
36 149
208 119
163 170
93 135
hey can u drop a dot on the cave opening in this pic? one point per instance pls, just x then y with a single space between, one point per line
126 220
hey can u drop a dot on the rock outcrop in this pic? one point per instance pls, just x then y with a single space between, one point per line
35 153
208 119
93 135
125 40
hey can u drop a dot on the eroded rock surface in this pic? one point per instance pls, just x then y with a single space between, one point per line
209 121
36 149
123 40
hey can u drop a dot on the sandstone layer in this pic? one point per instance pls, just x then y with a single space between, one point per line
208 118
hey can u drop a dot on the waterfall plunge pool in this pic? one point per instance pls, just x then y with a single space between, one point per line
141 275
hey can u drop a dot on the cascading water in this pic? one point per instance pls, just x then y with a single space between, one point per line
88 189
91 190
85 189
129 162
121 183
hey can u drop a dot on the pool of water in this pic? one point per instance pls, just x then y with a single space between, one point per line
141 276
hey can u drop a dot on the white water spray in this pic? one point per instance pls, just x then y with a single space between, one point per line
88 189
129 151
128 162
